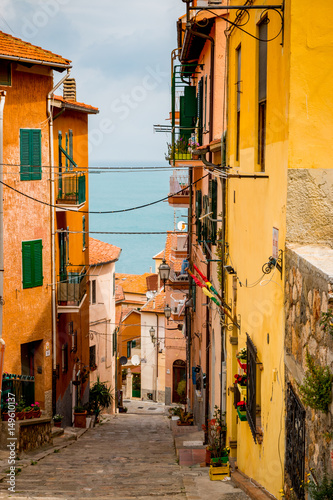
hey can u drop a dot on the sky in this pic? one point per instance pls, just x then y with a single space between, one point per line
120 51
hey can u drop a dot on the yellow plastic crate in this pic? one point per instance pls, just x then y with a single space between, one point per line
219 473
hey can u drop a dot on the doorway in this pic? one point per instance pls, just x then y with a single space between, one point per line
179 381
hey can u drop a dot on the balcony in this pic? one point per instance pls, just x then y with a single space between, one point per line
72 290
71 189
179 191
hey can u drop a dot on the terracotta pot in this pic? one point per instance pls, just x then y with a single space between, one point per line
80 420
208 456
28 414
36 413
5 417
57 424
19 415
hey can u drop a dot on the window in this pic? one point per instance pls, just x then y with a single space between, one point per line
200 104
129 348
32 263
30 155
114 284
92 356
262 93
83 232
93 292
238 95
114 341
5 73
198 209
64 358
73 334
253 390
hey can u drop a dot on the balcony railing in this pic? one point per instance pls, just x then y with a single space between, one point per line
72 289
71 189
179 181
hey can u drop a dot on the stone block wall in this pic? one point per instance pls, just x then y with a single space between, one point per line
35 435
308 293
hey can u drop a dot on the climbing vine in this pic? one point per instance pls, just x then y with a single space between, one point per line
316 390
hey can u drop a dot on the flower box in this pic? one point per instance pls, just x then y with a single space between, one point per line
241 415
242 389
183 156
219 473
80 419
223 460
242 365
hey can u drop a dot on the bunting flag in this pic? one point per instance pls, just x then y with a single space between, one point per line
209 294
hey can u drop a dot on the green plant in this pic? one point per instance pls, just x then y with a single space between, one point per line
180 146
175 411
326 322
21 405
100 397
322 490
56 450
125 409
79 409
33 462
28 408
216 434
58 417
185 417
328 436
316 390
181 390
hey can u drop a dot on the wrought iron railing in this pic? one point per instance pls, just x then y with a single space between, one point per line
71 289
251 396
71 188
295 442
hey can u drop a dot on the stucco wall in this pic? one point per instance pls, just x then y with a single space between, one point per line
308 287
310 206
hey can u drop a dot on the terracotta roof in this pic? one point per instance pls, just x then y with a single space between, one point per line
156 304
133 283
119 293
80 106
171 242
159 255
16 49
102 253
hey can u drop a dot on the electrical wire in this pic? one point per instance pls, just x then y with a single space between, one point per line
107 211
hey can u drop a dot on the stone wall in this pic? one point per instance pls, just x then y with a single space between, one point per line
310 206
309 287
30 434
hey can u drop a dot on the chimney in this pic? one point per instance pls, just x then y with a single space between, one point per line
69 89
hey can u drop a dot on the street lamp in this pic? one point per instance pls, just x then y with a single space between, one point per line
167 311
164 272
152 334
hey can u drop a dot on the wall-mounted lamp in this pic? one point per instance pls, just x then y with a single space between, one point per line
164 272
167 311
230 269
152 334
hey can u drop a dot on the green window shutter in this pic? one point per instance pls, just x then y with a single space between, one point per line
198 208
200 109
25 155
84 232
36 154
30 155
32 263
133 343
26 264
38 263
129 349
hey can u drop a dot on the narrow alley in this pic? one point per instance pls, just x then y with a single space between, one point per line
128 456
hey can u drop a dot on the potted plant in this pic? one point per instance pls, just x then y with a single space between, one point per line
179 150
80 416
241 411
36 413
20 407
100 397
4 411
242 354
57 420
185 418
241 381
216 451
28 412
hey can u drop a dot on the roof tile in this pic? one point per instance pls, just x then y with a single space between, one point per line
101 252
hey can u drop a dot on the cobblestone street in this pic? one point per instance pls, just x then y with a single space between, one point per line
129 456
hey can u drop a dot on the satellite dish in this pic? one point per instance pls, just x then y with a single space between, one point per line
123 360
181 225
135 360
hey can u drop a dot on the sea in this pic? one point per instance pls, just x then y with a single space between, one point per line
114 186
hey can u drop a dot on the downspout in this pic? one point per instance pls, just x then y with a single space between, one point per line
157 357
53 263
2 342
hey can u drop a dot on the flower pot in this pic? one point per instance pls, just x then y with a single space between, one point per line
184 423
36 413
19 415
242 363
80 419
58 424
241 415
242 389
219 473
28 414
195 157
208 457
183 156
5 417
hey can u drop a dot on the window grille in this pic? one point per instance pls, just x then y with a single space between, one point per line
295 442
251 399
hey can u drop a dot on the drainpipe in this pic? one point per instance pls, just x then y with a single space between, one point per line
156 357
2 342
53 264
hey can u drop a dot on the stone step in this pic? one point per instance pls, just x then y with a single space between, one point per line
57 431
191 456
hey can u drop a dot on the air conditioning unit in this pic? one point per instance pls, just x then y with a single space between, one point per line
208 3
214 2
